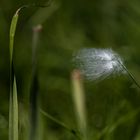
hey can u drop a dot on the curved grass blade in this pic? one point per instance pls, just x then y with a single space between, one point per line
12 34
13 104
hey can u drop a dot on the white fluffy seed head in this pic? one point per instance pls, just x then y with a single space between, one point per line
98 64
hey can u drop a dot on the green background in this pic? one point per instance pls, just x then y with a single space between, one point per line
112 105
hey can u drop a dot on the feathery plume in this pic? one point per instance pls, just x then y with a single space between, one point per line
98 64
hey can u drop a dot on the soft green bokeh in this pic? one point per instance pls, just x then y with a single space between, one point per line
112 105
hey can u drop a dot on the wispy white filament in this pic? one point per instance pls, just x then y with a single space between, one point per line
98 64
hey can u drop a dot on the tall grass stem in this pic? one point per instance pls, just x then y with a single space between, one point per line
79 102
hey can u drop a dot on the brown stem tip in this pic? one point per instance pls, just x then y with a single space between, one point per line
37 28
76 74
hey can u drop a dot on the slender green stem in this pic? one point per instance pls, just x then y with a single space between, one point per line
74 132
34 91
130 74
79 102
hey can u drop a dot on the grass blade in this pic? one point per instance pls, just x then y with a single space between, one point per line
15 111
62 124
13 103
12 34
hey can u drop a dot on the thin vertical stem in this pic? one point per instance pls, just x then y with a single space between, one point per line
79 102
34 86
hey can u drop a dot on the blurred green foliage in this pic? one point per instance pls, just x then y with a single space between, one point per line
112 104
